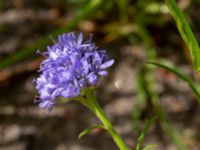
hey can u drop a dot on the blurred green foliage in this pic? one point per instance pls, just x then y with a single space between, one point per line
144 132
84 12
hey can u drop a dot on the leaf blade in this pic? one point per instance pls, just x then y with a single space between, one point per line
185 32
88 130
194 87
144 132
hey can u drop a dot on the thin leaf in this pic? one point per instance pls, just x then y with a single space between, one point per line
144 132
149 147
192 84
88 130
185 32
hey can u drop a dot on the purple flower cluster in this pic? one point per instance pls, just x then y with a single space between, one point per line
71 65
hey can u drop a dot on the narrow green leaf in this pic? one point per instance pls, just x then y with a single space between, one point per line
192 84
185 32
149 147
144 132
88 130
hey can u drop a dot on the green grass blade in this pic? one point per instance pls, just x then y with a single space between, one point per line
185 32
194 87
144 132
26 52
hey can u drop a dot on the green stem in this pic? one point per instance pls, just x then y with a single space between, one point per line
92 104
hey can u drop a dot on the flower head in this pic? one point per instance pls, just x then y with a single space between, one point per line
71 65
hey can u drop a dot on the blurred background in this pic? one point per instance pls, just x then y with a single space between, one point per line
133 31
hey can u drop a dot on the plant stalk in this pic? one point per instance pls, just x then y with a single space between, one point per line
91 103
